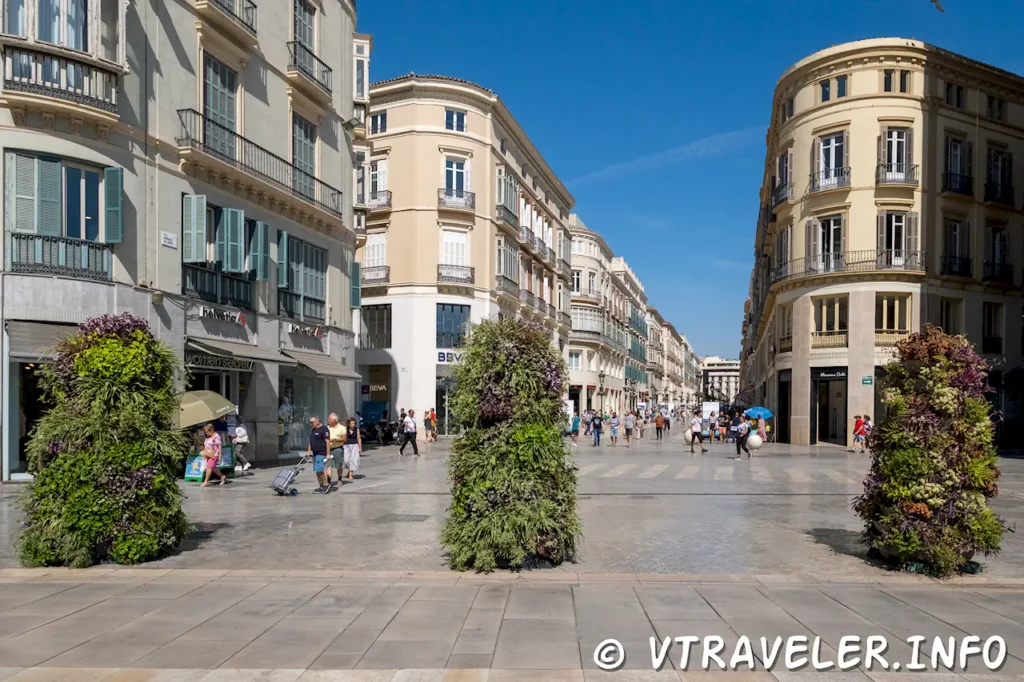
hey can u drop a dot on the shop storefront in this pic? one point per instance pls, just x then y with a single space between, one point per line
227 376
303 393
828 405
375 394
444 392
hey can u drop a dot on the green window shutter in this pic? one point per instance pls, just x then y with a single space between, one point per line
193 228
21 183
234 256
220 236
48 202
282 259
355 274
259 252
113 199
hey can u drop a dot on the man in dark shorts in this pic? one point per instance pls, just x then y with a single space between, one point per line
319 438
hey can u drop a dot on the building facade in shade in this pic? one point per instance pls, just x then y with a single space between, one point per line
630 307
202 194
720 379
889 200
465 221
692 375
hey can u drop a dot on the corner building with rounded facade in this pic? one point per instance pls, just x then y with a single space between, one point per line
889 200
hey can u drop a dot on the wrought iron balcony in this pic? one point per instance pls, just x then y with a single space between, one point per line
589 296
379 199
456 198
999 193
34 72
564 268
61 256
302 59
1000 272
564 318
551 255
850 261
830 178
833 339
785 344
782 193
992 345
207 284
896 174
505 214
238 17
456 274
526 237
506 285
205 135
527 298
301 308
958 183
889 337
376 274
957 266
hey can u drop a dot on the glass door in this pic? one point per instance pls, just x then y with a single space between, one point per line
831 160
831 244
896 153
895 238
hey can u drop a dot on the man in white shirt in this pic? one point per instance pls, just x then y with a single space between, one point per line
241 442
409 429
696 426
629 422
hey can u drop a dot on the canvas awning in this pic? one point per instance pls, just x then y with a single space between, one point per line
323 365
239 350
30 341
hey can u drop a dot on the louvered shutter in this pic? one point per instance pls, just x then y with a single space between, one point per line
50 197
990 166
193 229
843 162
968 169
382 175
910 149
881 233
22 174
355 275
1003 247
816 162
810 244
789 171
469 175
964 235
913 247
113 200
234 255
282 259
949 155
220 237
1008 171
842 237
883 148
259 252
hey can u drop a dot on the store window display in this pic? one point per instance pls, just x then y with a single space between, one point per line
302 395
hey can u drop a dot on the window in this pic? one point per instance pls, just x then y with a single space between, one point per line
897 238
825 244
891 312
376 250
455 175
591 282
451 325
587 319
376 326
992 328
379 123
783 170
508 191
955 95
454 247
958 255
826 88
455 120
304 156
591 361
958 158
905 82
950 315
502 146
996 108
789 108
829 162
76 37
49 21
360 79
575 357
576 275
305 16
830 314
219 107
302 279
378 180
110 17
784 327
996 244
14 17
841 86
888 78
508 259
782 248
1000 174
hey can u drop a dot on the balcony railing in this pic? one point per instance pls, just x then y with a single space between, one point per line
457 274
303 59
379 199
61 256
958 183
209 285
830 178
833 339
376 274
526 236
371 340
998 271
456 198
551 255
564 267
885 338
956 266
850 261
242 12
999 193
505 214
206 135
40 73
506 285
785 344
782 193
992 345
591 296
527 298
896 174
301 308
564 318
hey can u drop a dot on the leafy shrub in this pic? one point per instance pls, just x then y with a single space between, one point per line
513 486
933 461
105 457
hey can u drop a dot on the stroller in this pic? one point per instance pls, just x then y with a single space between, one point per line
282 483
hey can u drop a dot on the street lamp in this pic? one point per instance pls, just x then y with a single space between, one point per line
600 390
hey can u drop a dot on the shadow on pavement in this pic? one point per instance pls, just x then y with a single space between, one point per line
202 534
843 541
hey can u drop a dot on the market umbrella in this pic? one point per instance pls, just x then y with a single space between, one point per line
759 412
199 407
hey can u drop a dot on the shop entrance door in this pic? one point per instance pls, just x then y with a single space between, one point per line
782 419
828 405
223 383
444 395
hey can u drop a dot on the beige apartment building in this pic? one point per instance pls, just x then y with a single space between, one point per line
465 221
630 307
184 162
889 200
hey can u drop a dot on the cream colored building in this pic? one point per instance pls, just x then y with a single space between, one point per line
628 300
890 200
464 221
188 163
720 379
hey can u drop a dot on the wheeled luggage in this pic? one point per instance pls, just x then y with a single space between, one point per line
282 483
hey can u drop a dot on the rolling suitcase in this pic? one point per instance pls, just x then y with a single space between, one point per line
282 483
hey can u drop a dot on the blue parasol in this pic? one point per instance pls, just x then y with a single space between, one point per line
759 413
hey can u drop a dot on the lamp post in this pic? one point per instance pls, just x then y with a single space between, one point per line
600 390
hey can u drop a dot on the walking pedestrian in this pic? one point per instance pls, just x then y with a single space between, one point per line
575 429
595 426
615 421
433 424
353 448
712 424
241 442
409 431
588 418
659 427
401 415
629 422
211 454
641 424
668 421
741 439
761 431
695 430
319 438
858 434
334 455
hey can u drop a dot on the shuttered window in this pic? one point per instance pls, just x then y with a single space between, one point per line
355 281
304 155
376 250
454 247
219 106
259 251
305 267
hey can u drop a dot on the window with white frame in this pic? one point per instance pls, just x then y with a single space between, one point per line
455 120
362 77
508 190
577 246
376 249
454 247
379 123
992 320
378 182
826 90
591 360
456 178
587 319
591 282
830 314
892 312
575 357
508 259
577 276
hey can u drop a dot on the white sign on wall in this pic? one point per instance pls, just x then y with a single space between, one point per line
169 239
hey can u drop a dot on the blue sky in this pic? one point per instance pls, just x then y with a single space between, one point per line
653 112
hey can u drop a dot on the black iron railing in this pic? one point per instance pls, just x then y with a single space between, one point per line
506 285
379 199
62 256
527 298
376 274
369 340
782 193
504 213
850 261
896 174
456 198
243 12
998 271
206 284
957 266
206 135
526 236
41 73
999 193
303 59
830 178
458 274
301 308
958 183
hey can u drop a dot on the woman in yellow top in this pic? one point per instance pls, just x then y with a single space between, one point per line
337 430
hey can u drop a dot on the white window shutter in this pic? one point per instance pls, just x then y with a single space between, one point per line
382 175
469 175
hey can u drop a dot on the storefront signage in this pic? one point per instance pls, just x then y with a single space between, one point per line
235 316
867 381
449 357
204 361
305 330
378 386
828 373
